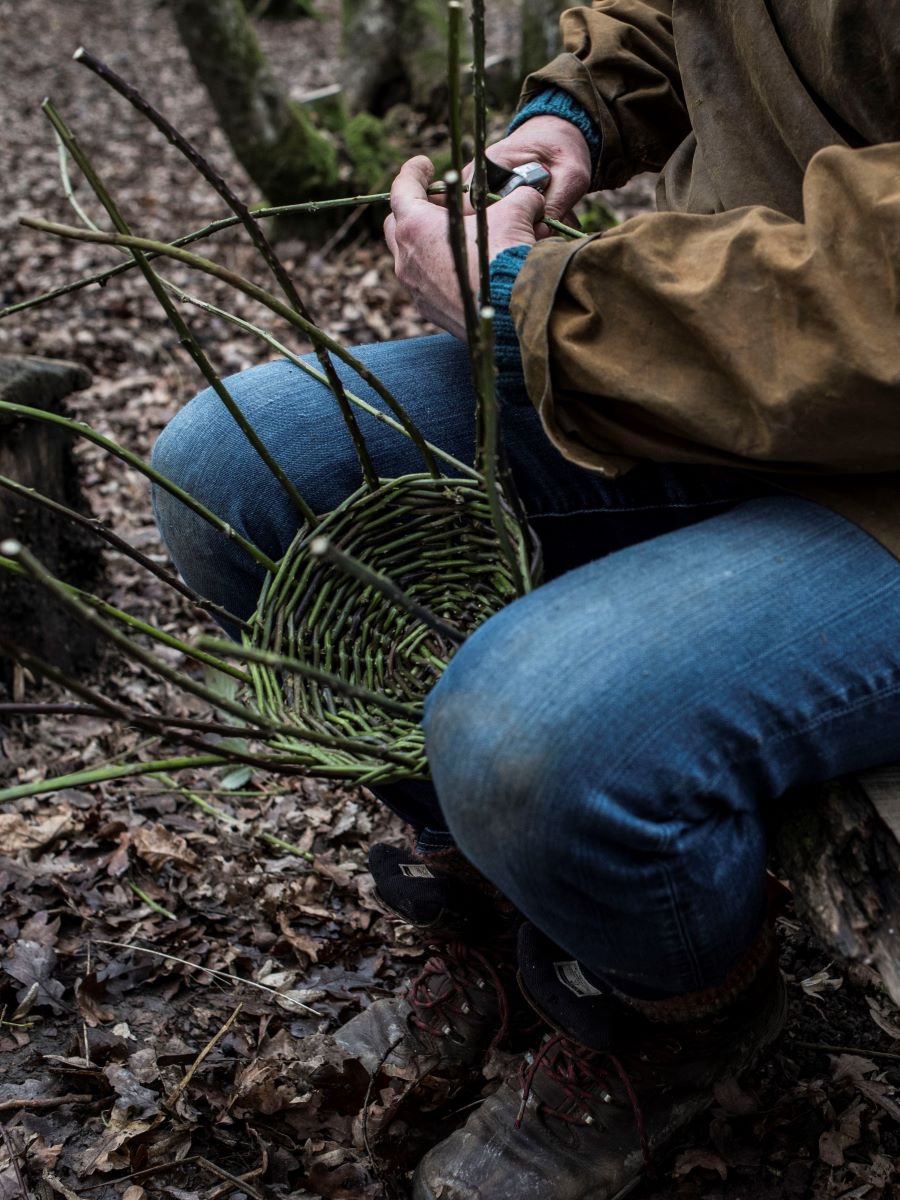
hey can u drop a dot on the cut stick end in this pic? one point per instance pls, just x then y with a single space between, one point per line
451 178
10 548
79 54
319 547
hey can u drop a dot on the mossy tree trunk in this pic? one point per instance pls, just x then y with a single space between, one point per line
395 52
274 140
539 20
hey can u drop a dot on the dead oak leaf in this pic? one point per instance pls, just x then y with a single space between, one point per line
158 846
18 835
30 963
708 1160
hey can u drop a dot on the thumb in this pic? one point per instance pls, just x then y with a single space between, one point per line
519 212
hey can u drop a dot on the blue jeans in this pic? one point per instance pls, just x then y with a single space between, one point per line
604 748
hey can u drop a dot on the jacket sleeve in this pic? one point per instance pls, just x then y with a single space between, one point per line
619 64
743 338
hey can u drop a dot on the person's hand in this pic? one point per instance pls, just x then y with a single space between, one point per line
561 148
417 235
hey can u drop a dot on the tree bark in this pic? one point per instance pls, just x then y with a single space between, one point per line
539 20
395 52
274 140
40 456
839 848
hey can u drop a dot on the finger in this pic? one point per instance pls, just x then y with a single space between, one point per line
411 184
390 234
522 208
566 189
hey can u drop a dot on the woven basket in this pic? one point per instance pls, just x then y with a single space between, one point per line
435 540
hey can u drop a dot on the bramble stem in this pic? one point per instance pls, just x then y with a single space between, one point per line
379 414
101 278
454 37
478 191
266 727
158 635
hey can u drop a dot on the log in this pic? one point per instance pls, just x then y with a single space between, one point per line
40 456
838 846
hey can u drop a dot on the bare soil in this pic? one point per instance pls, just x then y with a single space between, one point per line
158 965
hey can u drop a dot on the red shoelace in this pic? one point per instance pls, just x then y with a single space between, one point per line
580 1072
467 970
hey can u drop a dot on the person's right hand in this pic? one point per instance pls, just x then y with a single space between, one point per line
561 147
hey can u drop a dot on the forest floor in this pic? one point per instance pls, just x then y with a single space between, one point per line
162 970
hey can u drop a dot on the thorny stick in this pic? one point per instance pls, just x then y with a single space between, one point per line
255 231
148 721
232 979
192 1069
135 623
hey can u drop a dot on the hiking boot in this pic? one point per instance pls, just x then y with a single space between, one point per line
435 1034
612 1085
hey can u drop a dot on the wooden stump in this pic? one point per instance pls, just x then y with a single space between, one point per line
839 847
40 456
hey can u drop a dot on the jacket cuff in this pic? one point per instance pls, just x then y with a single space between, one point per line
554 102
507 356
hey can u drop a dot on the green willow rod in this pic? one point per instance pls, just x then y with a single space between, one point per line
106 774
187 339
460 467
149 722
254 231
267 728
321 547
135 623
208 267
134 460
286 662
119 543
100 278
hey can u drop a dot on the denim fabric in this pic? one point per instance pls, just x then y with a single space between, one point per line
602 749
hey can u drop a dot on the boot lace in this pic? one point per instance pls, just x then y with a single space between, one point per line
466 970
580 1073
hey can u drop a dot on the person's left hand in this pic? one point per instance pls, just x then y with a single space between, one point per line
418 237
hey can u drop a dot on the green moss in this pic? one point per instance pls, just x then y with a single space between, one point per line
370 151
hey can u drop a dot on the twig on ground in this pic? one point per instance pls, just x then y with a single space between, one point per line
223 975
14 1160
35 1103
150 902
192 1069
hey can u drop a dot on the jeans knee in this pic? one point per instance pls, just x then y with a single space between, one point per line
483 753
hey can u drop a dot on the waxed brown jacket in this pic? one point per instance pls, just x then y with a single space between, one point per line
754 321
